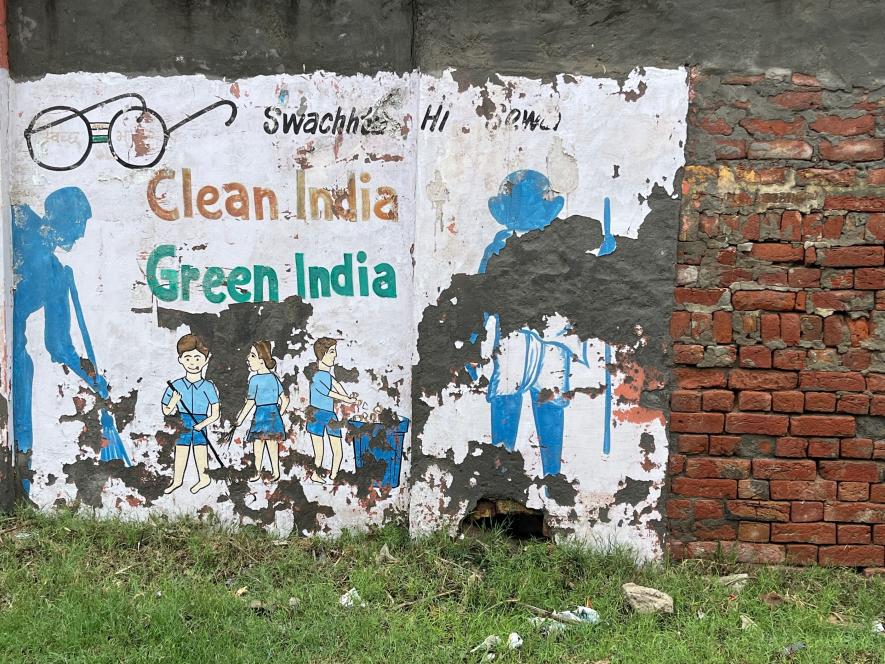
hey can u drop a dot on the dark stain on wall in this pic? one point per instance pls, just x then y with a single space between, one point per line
633 492
610 37
7 463
211 37
89 474
230 333
530 37
534 276
549 271
489 473
122 410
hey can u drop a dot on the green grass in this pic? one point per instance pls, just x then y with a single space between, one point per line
78 590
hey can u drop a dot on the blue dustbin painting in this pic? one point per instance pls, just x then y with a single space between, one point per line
381 442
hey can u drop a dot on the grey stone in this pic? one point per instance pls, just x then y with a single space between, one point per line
647 600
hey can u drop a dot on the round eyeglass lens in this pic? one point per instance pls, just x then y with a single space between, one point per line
59 138
137 137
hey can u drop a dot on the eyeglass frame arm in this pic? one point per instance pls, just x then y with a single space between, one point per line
202 111
30 131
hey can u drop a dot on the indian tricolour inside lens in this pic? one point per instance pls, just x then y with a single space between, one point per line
59 138
137 137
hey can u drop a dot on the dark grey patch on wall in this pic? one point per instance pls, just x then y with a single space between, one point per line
229 335
90 484
633 492
606 37
288 494
647 443
230 38
549 271
10 483
346 374
90 476
122 410
7 465
871 427
531 37
536 275
497 475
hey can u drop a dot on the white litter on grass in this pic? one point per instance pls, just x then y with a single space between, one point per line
878 628
586 614
514 641
351 599
547 626
489 644
583 614
384 556
551 622
793 648
747 622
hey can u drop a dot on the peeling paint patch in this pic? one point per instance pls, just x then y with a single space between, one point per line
513 394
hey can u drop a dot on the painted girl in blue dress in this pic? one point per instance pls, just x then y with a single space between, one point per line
268 401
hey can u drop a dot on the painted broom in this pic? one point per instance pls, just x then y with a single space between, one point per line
111 444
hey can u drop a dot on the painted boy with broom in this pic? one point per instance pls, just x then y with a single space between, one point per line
195 399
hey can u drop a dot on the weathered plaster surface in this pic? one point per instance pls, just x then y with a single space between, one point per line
420 178
134 333
8 485
617 140
618 135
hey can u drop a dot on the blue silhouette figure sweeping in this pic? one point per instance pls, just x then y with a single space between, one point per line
525 202
42 282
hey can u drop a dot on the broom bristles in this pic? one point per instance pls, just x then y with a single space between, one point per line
112 447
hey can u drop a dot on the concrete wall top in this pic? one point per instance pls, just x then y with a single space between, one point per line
534 37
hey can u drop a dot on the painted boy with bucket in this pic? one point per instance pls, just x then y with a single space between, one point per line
324 391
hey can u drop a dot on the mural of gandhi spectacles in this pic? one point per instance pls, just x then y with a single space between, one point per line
60 138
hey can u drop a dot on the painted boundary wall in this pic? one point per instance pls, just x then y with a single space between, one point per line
524 191
322 212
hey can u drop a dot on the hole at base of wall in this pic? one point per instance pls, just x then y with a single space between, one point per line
513 519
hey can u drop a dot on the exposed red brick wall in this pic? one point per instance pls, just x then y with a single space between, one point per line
777 434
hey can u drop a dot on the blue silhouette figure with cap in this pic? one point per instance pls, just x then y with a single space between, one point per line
525 202
42 282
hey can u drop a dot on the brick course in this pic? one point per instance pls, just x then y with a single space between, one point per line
783 229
